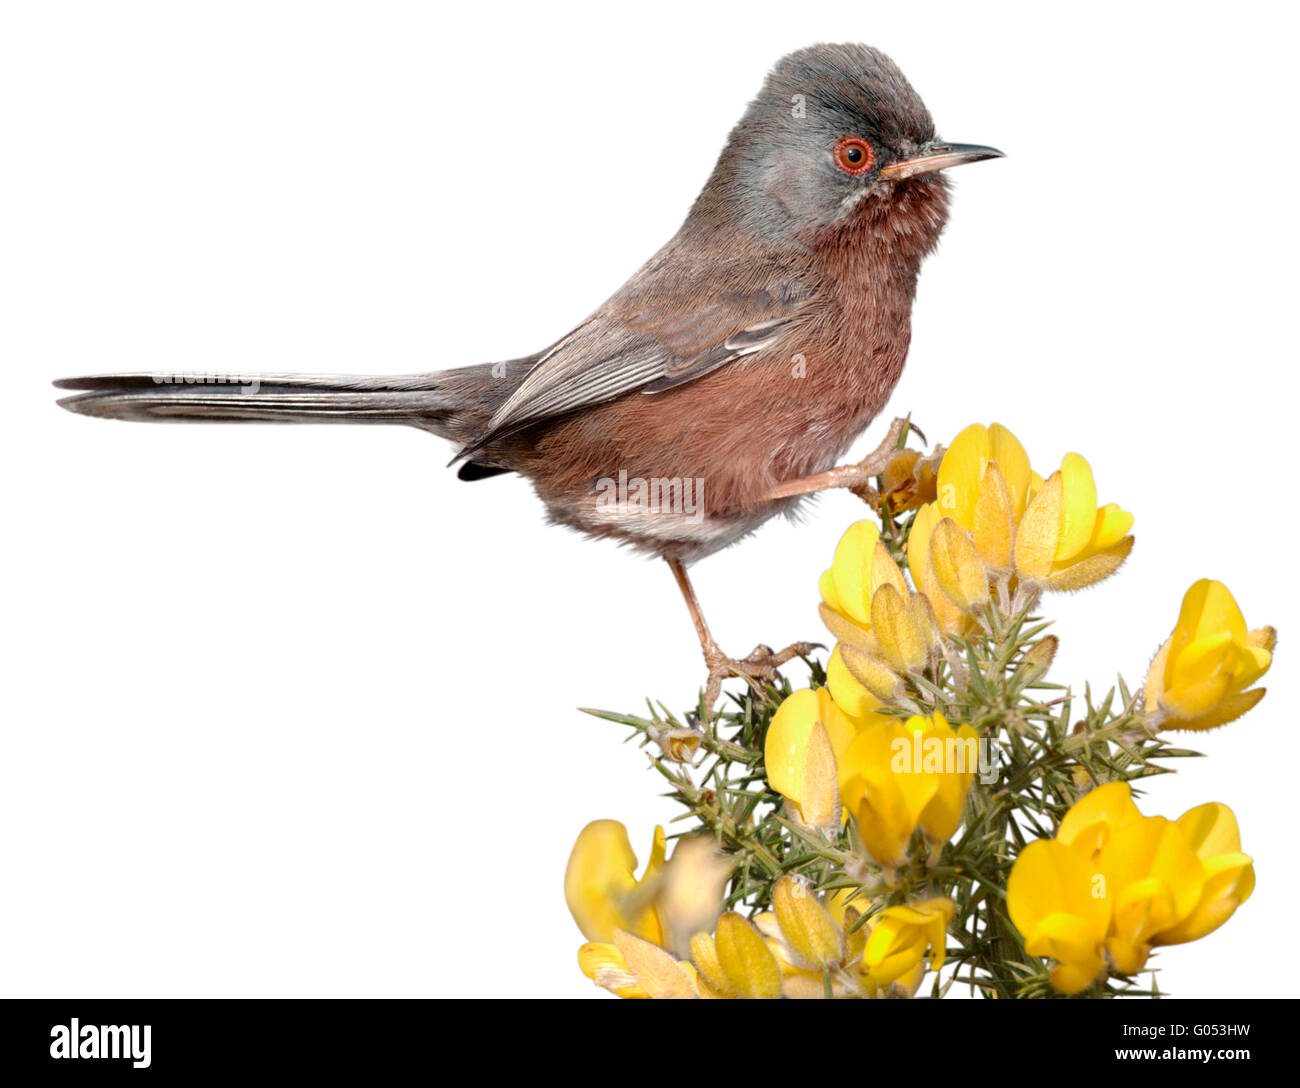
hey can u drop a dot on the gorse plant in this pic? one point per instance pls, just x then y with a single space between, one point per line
933 800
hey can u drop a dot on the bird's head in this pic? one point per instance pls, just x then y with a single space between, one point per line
834 126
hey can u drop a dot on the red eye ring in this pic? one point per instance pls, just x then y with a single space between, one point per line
854 155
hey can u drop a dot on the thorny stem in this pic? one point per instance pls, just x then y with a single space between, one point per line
1051 746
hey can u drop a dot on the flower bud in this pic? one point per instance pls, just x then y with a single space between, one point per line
958 567
901 638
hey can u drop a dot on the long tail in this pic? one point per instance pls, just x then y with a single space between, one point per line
455 404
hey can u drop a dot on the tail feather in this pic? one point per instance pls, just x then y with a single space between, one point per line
455 404
273 398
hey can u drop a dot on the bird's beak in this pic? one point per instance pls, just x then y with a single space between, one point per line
937 156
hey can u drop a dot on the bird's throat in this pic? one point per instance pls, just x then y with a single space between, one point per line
880 244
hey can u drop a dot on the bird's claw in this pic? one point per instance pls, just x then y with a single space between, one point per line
859 478
759 665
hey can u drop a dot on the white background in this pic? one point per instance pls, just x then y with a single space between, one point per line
291 711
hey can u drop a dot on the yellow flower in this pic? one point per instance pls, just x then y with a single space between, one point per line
869 671
804 945
1053 901
909 481
625 919
823 943
983 483
737 961
1211 831
896 776
958 567
949 616
1114 883
1047 532
814 940
1153 881
600 884
602 963
970 495
1096 816
862 564
901 937
882 626
1199 678
904 629
1064 541
635 968
806 741
848 692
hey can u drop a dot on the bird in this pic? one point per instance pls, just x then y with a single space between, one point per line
723 382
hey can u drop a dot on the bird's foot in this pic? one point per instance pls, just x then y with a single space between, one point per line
759 666
860 478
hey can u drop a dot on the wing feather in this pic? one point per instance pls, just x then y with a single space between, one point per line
651 348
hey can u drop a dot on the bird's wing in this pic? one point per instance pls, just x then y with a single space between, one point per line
652 340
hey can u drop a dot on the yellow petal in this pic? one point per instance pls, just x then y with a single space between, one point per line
844 629
995 520
871 672
1227 710
901 638
819 795
602 964
902 935
884 571
1229 883
1096 816
1208 661
1091 568
928 621
849 693
943 814
1039 533
1013 463
1079 508
1210 831
1052 901
1112 526
1208 610
960 473
851 570
958 567
599 877
885 791
659 974
950 618
806 926
786 750
1201 676
704 954
826 586
1154 880
787 739
748 963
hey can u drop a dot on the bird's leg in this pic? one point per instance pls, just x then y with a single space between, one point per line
856 477
761 664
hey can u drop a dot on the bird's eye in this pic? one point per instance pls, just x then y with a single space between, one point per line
854 155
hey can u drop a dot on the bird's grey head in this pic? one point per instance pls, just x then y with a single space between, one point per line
833 126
